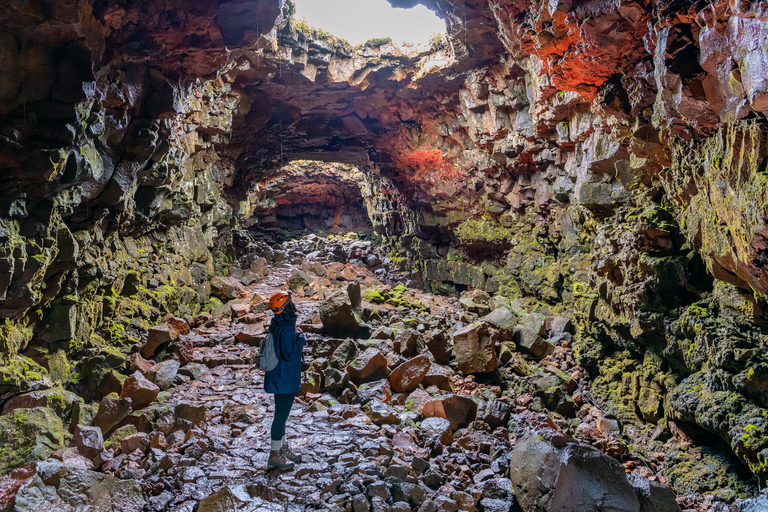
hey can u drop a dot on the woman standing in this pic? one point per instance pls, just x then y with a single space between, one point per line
284 381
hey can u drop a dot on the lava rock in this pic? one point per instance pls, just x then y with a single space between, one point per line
163 374
28 435
140 390
573 477
340 319
369 366
408 375
460 411
474 349
112 410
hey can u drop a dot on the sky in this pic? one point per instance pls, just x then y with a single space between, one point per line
360 20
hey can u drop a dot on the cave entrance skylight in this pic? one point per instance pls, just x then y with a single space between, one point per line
359 21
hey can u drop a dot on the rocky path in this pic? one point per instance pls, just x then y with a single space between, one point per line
411 402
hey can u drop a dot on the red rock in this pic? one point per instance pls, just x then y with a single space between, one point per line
239 310
155 337
460 411
227 288
11 483
369 366
416 401
177 325
408 375
133 442
140 390
438 376
135 362
347 274
251 334
474 349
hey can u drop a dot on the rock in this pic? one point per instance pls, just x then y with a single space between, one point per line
495 413
260 266
573 477
133 442
437 345
416 400
178 326
460 411
340 319
408 375
163 374
502 319
653 496
157 336
552 392
115 439
406 342
89 441
436 427
379 390
369 366
193 370
135 362
531 342
438 376
251 334
535 322
227 288
28 435
559 325
112 410
195 414
354 294
474 349
60 486
140 390
380 414
58 399
299 279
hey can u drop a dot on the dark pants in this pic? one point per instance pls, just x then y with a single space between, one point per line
283 405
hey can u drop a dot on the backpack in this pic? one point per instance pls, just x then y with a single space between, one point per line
267 354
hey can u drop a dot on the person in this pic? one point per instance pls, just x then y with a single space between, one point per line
284 381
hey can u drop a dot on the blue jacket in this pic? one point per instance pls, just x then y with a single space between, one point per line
286 377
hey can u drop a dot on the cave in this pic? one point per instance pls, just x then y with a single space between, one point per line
525 257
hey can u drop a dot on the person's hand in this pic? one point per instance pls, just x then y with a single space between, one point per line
298 330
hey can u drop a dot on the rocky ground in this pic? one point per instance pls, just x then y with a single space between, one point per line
411 402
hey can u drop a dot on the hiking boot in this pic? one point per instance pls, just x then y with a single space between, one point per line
278 460
289 454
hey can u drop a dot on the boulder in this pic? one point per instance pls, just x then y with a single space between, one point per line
340 319
535 322
227 288
438 345
59 486
416 400
495 413
58 399
231 497
569 478
438 376
28 435
112 410
408 375
133 442
379 390
299 279
140 390
195 414
193 370
460 411
380 414
436 427
135 362
251 334
530 342
260 266
89 441
157 336
474 349
369 366
502 318
655 496
407 342
162 374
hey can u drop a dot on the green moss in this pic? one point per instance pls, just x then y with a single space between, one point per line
485 230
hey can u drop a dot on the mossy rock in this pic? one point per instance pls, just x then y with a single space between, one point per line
28 435
118 435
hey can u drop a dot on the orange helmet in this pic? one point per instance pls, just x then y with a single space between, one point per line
278 301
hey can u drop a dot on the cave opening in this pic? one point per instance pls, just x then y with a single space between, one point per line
310 196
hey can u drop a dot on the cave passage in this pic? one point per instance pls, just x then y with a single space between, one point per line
310 197
528 255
